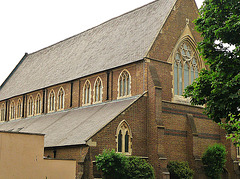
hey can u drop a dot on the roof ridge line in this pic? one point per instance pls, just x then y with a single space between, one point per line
94 27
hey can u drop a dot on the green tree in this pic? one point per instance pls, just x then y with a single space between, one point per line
179 170
218 86
214 159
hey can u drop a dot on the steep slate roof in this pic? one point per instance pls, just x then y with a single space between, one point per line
117 42
70 127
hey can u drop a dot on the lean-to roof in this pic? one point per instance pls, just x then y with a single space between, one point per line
119 41
70 127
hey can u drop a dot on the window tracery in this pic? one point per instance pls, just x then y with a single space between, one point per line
38 104
124 138
124 84
87 93
186 67
61 95
98 90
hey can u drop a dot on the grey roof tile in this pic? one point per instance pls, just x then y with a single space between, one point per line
117 42
70 127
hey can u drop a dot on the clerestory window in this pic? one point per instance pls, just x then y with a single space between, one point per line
61 99
87 93
38 104
98 90
51 101
124 138
30 106
3 112
12 110
186 67
124 84
19 108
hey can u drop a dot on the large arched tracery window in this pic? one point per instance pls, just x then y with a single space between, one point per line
124 138
12 110
186 67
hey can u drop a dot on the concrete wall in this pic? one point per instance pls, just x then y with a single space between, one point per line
21 156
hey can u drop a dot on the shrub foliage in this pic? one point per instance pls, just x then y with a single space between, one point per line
117 166
179 170
214 159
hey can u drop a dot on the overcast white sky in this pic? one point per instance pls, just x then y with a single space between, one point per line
29 25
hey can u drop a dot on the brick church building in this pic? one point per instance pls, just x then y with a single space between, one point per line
119 86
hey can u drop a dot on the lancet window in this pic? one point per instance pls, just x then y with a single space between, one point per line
3 112
186 67
12 110
61 99
19 108
124 138
38 104
51 103
87 93
124 84
98 90
30 106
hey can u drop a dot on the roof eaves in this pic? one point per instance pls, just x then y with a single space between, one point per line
160 29
116 116
16 67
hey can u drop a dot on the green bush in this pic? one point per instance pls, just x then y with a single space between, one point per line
113 165
179 170
117 166
139 168
214 159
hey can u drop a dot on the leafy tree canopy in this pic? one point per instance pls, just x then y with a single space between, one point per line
218 86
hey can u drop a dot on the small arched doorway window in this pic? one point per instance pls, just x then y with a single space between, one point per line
124 84
124 138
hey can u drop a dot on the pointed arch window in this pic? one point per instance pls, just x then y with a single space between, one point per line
30 106
51 103
87 93
38 104
185 67
3 112
61 95
12 110
98 90
19 108
124 138
124 84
